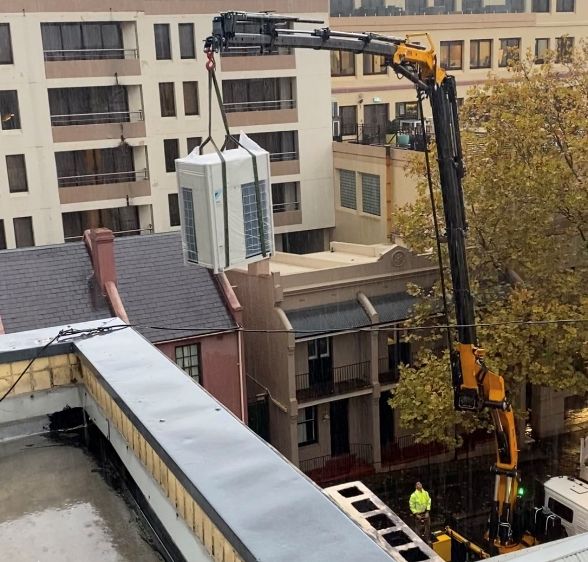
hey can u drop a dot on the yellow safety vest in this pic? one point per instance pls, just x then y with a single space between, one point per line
420 502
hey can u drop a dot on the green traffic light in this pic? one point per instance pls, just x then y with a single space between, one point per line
521 492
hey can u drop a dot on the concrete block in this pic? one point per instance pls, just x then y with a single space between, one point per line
5 383
58 361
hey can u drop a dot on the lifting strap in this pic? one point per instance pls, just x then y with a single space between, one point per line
213 82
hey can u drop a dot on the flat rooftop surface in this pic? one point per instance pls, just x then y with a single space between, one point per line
56 507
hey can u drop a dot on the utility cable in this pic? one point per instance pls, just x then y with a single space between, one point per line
64 334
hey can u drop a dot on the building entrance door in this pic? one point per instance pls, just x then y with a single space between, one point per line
339 427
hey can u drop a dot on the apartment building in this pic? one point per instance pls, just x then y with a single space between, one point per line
98 100
376 114
323 343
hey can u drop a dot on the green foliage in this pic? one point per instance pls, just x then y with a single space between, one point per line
526 151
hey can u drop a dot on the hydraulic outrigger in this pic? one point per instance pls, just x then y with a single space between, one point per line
475 386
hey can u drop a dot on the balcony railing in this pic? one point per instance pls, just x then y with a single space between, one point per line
340 380
98 179
259 105
429 11
283 156
356 463
284 207
379 135
96 118
387 373
89 54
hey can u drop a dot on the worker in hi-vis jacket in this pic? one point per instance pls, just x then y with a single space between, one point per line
420 506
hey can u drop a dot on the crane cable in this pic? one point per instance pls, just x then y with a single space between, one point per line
420 95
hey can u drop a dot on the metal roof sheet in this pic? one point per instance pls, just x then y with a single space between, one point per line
393 307
327 318
251 492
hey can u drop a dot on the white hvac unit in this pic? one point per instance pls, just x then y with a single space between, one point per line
218 236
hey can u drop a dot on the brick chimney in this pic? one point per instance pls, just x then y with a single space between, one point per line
100 243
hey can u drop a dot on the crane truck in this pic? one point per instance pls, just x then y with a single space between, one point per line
475 386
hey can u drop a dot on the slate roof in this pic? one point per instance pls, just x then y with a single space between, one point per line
157 289
48 286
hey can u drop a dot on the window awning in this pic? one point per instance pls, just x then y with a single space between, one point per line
327 319
393 307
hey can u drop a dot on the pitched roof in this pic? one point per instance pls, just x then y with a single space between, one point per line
158 289
48 286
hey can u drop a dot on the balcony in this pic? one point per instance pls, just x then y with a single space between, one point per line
405 138
75 127
260 101
339 380
84 63
103 186
387 374
406 449
345 8
287 214
327 470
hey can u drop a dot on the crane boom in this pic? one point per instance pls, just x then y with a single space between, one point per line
475 386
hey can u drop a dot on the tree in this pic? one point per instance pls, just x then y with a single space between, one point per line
525 143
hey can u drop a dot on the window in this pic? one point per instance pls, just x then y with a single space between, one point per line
95 166
171 149
282 145
510 51
347 189
193 142
407 110
370 194
190 98
481 53
23 232
540 6
2 235
188 358
472 6
174 209
342 63
82 41
9 110
189 226
167 99
348 116
17 173
5 44
560 509
259 94
565 5
94 104
118 219
565 49
374 64
187 47
162 42
318 348
307 426
452 55
285 196
541 48
251 221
